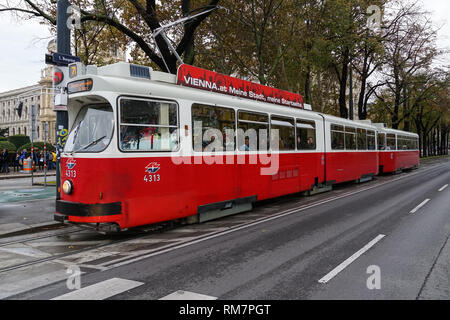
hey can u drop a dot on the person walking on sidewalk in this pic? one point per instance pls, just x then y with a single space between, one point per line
22 158
4 160
17 162
41 160
54 160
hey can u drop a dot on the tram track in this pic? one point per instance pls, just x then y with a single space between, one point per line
134 234
7 243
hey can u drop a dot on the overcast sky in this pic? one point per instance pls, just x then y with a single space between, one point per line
23 45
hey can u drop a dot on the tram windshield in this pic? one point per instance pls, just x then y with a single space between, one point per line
92 130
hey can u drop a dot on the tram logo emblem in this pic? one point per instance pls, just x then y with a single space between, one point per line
71 163
152 167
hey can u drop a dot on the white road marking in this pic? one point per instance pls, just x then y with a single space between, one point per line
347 262
443 188
101 290
24 250
420 206
186 295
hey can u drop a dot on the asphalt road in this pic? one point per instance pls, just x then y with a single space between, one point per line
304 253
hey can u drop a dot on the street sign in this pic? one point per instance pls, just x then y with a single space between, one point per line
64 59
33 122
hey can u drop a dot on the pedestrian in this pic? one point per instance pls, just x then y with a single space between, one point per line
41 160
22 158
4 160
17 162
48 160
35 159
54 159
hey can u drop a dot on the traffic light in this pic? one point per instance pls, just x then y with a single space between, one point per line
19 109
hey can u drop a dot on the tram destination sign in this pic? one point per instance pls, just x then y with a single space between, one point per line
195 77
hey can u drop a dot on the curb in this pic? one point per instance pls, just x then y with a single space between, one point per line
26 175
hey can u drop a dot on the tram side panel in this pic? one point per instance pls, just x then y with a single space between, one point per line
407 159
344 163
348 166
391 161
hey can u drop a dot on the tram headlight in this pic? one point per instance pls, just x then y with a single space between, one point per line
67 187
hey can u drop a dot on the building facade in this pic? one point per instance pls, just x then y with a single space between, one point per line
40 95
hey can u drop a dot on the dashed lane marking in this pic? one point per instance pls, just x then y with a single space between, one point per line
347 262
443 188
419 206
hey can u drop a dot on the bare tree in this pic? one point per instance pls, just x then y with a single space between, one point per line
112 13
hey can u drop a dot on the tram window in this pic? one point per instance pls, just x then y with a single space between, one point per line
213 128
362 139
371 144
147 125
402 143
306 135
381 141
253 131
350 138
337 137
92 130
286 133
410 144
390 142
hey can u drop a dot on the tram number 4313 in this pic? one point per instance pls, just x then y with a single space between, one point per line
152 178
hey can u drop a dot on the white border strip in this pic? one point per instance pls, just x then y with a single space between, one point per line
347 262
419 206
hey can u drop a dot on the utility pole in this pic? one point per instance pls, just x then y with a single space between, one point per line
351 94
62 120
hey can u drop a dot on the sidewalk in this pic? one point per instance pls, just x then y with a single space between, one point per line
437 286
25 207
21 174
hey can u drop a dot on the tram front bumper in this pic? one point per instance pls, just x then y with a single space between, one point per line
65 209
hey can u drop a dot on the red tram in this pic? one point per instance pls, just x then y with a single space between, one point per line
146 147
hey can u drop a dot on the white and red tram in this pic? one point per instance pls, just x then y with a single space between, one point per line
398 150
146 147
